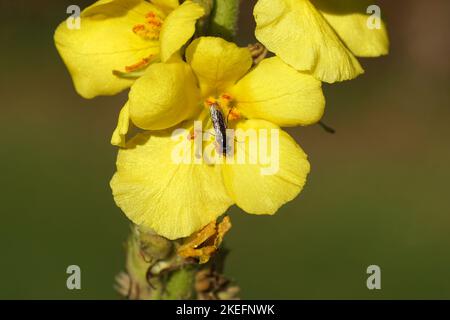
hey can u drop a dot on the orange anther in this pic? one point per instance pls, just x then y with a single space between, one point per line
234 114
210 101
226 97
155 23
138 65
138 28
151 28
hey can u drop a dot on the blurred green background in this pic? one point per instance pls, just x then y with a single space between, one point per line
378 192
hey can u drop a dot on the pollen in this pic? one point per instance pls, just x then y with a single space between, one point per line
150 29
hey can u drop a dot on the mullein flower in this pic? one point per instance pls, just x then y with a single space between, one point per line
178 198
322 36
118 39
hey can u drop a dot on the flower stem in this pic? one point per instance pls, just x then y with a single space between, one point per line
224 19
154 271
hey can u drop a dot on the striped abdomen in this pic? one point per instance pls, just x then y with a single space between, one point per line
220 128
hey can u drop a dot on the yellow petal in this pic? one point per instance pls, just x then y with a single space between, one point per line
179 27
118 136
276 92
166 95
104 42
218 64
270 176
296 32
166 4
174 199
350 20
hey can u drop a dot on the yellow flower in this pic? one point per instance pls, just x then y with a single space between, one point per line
178 198
322 36
123 37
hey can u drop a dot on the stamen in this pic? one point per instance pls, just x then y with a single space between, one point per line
153 19
138 28
138 65
129 75
151 28
226 96
135 70
233 114
210 101
227 105
229 108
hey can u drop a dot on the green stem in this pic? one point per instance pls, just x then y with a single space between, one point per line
224 19
154 271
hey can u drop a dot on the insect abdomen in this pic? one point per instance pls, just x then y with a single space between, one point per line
220 128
